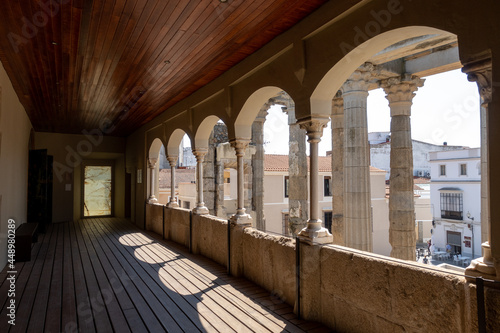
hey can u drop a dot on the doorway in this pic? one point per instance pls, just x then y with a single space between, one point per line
97 190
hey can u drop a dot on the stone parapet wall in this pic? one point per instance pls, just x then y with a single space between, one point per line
345 289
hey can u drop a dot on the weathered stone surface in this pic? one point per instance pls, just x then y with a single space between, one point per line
210 237
179 231
154 218
266 261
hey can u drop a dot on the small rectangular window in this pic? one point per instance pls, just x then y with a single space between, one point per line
442 169
463 169
327 186
287 183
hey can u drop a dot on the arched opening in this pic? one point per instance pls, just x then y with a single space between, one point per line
153 170
177 187
393 65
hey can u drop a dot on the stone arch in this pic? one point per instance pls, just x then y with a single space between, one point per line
174 141
250 110
203 131
321 98
154 148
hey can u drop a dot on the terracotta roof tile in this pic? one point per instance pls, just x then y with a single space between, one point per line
280 163
181 176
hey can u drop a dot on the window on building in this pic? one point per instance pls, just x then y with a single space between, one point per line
287 183
328 220
442 170
284 220
463 169
478 168
187 204
452 206
327 186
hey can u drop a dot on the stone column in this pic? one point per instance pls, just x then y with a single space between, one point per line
297 173
258 168
152 175
240 217
357 196
172 160
200 208
338 227
314 232
487 266
400 92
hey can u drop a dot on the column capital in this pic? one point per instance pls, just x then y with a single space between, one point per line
314 126
240 145
400 92
359 80
200 153
480 72
152 162
172 160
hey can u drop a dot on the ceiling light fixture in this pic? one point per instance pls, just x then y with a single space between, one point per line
167 62
223 1
54 43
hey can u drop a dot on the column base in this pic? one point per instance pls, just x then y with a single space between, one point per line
200 210
152 200
173 204
483 266
312 235
241 219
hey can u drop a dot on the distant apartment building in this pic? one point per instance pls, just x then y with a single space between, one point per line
380 151
456 200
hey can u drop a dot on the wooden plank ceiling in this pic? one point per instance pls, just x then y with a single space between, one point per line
78 63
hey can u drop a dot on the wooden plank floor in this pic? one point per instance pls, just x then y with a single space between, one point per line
106 275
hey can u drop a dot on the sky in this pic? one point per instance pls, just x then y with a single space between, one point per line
445 109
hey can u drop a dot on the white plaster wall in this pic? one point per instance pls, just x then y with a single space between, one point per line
471 189
15 128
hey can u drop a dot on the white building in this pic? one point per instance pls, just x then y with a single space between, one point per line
456 200
380 151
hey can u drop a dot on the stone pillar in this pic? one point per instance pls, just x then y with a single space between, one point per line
152 175
314 232
240 218
172 160
487 266
200 208
400 92
258 168
338 227
297 173
357 196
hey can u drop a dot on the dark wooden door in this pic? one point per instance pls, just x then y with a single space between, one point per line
40 188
